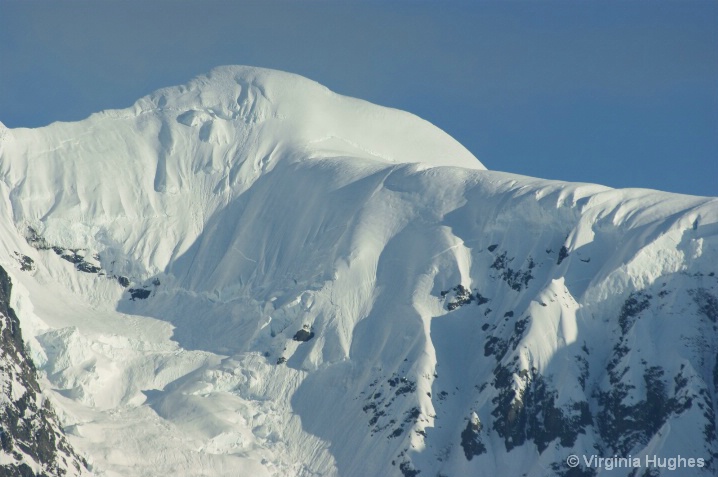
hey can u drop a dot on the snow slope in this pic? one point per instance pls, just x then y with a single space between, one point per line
251 274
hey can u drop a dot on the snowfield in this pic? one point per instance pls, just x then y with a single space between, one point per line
252 275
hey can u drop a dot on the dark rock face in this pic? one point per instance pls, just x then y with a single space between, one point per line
626 423
384 398
26 263
562 254
625 426
462 296
529 413
87 267
707 303
36 240
29 428
139 294
76 257
305 334
471 438
517 279
633 306
407 470
617 396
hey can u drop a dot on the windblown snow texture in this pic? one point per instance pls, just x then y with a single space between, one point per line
252 275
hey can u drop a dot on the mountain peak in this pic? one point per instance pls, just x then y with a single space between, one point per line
181 153
227 92
232 273
219 132
304 116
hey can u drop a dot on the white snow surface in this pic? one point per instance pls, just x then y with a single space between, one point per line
253 203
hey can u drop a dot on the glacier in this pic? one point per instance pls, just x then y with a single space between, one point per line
252 275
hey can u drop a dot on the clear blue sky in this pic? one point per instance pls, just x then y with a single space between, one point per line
618 93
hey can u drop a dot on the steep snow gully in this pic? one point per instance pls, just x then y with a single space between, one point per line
252 275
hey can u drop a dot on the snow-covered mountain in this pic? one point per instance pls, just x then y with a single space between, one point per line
30 435
252 275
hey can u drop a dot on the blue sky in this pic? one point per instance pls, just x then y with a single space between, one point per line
619 93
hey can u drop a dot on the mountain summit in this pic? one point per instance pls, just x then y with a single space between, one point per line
252 275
